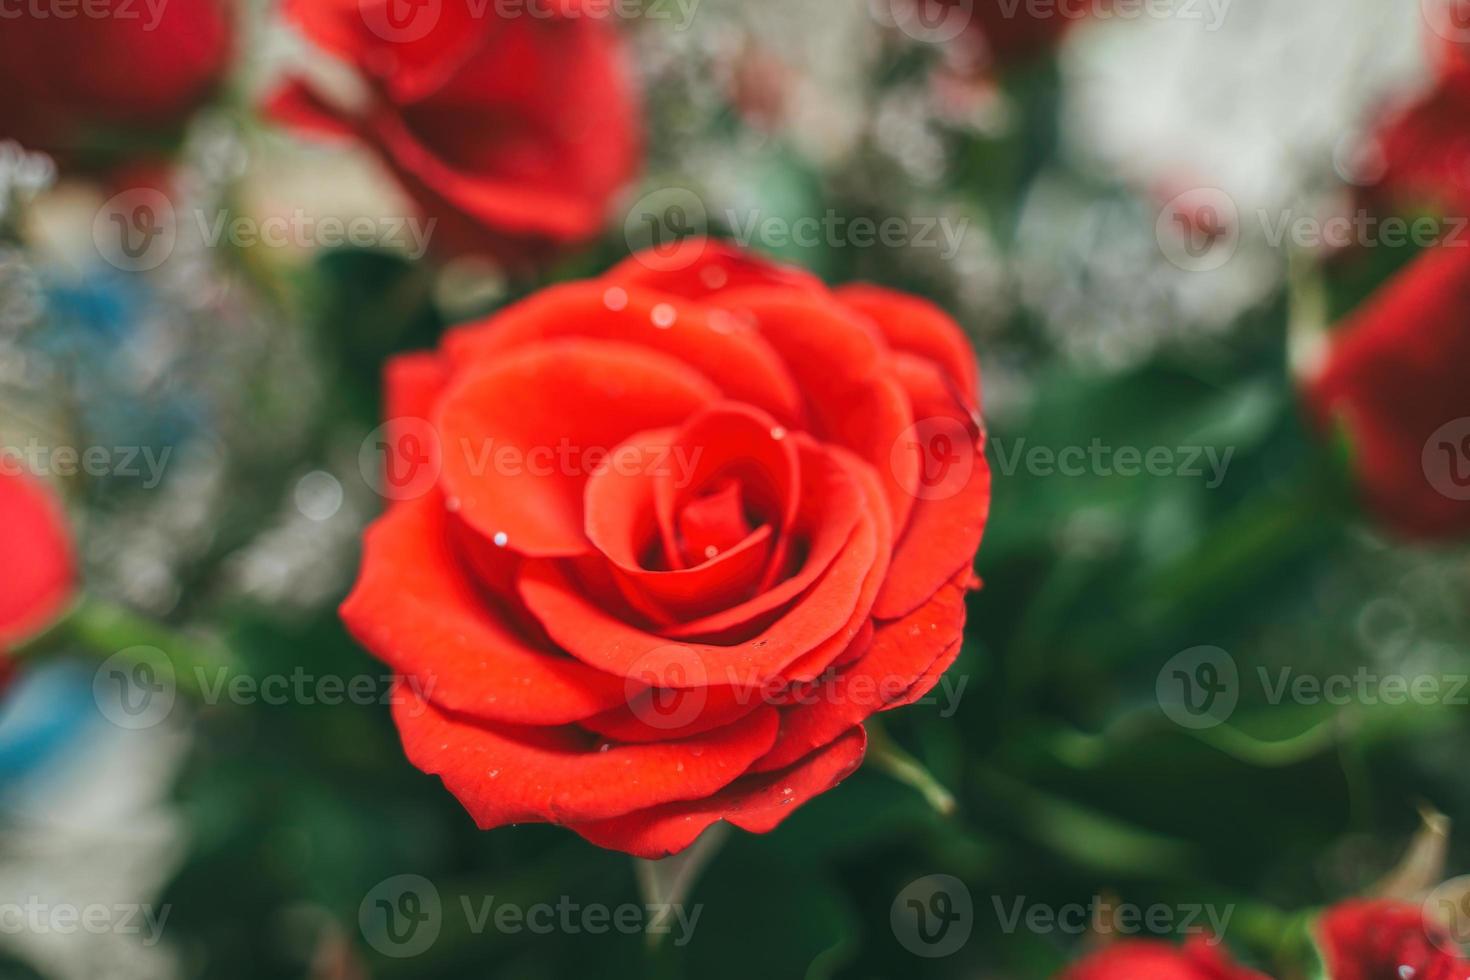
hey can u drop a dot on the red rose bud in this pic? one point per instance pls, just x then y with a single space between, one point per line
1145 959
1382 940
661 542
37 570
513 133
1395 382
108 74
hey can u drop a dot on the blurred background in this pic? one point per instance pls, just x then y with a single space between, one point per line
1174 691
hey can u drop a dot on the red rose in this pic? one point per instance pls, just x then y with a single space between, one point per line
512 132
1394 380
1424 149
667 538
1381 940
38 575
107 72
1145 959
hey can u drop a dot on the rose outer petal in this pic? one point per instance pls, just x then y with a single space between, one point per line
562 775
732 356
755 803
418 609
898 662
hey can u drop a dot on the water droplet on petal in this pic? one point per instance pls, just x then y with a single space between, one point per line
615 299
501 539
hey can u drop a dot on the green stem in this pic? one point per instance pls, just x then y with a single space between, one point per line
105 629
884 753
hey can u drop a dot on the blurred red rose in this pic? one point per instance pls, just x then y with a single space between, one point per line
1382 940
1146 959
514 132
1395 381
1420 156
108 77
667 538
37 575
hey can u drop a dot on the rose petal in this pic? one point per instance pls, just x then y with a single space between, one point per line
503 774
415 607
757 804
699 267
735 359
916 326
38 574
899 659
599 638
522 434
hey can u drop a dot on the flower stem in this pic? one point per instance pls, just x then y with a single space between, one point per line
886 754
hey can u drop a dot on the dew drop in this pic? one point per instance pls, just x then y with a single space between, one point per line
714 277
501 539
664 316
778 432
616 298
